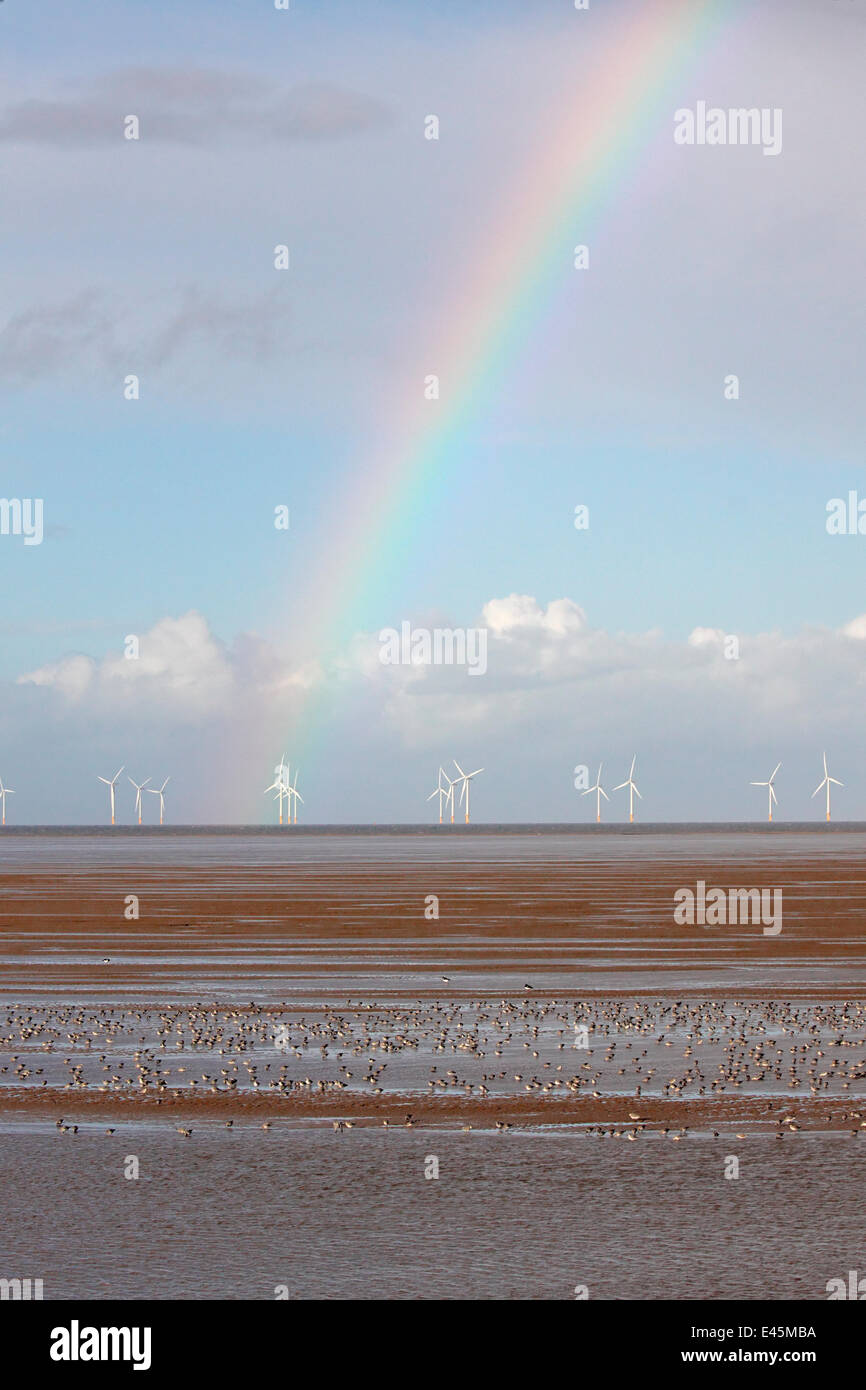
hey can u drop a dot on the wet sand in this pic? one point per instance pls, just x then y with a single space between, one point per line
283 1042
533 944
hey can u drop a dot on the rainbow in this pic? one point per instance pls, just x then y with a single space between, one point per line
554 204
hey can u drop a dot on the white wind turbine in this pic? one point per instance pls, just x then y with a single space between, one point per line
292 792
632 789
111 785
4 792
600 792
279 785
139 787
771 791
465 778
160 792
826 783
441 791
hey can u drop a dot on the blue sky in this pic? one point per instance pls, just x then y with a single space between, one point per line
155 257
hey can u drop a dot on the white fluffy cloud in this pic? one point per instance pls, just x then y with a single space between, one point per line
556 692
182 670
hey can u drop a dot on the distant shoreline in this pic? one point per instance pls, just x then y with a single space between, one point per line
478 828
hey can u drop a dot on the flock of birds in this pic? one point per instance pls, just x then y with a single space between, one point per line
513 1051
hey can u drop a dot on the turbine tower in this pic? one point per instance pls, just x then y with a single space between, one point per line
139 787
465 778
632 789
826 783
4 792
771 791
600 792
292 792
111 785
160 792
279 786
441 791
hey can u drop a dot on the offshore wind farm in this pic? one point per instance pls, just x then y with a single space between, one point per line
448 793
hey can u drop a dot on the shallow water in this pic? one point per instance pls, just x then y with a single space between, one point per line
516 1216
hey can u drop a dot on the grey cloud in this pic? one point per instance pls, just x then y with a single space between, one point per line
96 329
38 341
191 107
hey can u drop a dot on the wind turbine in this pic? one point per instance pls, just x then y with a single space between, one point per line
771 791
111 785
632 789
139 787
4 792
292 791
599 789
465 778
450 794
279 786
160 792
441 791
826 783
